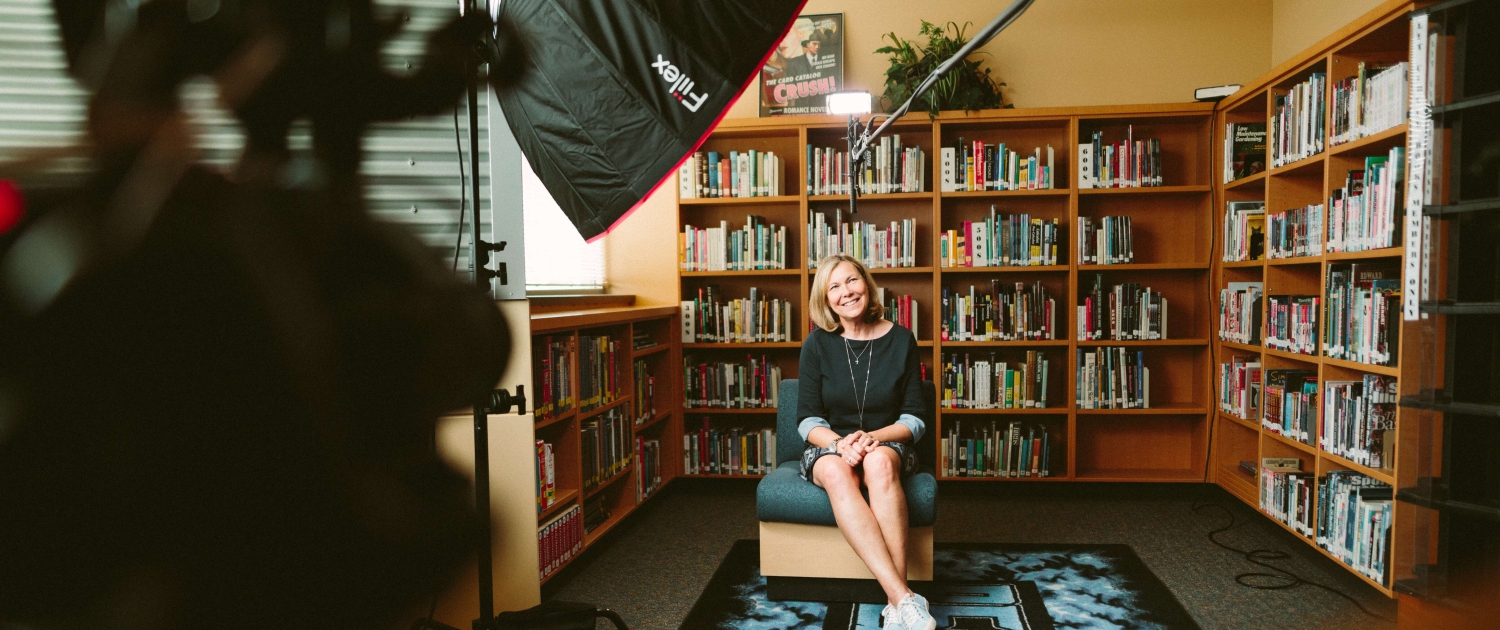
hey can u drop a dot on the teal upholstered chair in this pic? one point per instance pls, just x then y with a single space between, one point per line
802 554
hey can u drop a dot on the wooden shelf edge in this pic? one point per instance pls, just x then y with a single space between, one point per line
654 421
1160 190
603 408
1248 424
624 473
547 422
1375 138
1385 252
1047 479
763 345
1387 477
1304 164
735 411
1386 370
564 499
746 273
709 201
1307 449
1245 181
1034 411
646 352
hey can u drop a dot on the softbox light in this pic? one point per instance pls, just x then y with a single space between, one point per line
616 93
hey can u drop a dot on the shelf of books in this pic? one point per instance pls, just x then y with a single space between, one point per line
1308 333
1050 262
606 393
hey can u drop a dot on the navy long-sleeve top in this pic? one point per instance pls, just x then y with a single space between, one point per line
827 381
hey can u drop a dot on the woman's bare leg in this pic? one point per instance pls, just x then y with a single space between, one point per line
858 524
882 475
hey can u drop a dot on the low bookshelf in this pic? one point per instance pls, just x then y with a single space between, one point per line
906 244
607 404
1272 398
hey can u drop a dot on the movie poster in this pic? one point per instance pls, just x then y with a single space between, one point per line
806 66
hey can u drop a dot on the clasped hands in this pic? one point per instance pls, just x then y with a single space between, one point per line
855 446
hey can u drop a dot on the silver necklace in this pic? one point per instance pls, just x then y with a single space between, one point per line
858 399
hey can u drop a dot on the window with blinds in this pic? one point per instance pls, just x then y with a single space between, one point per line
411 167
557 259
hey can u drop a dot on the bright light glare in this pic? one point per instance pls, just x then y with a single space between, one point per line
841 103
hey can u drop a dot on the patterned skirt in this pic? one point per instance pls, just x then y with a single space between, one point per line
908 455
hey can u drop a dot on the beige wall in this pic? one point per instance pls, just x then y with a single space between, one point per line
1073 52
1060 53
1298 24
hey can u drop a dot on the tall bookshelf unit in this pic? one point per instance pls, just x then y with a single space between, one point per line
562 427
1167 442
1379 36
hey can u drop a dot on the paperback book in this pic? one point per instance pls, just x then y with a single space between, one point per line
757 245
1292 323
1244 150
1297 124
1364 312
1291 404
875 246
709 318
976 165
1240 313
733 451
1019 240
1359 420
1007 312
752 384
1112 378
1295 232
1363 215
1121 312
598 371
892 167
1244 230
1373 100
1239 387
995 384
735 174
1130 163
1354 522
990 448
1105 241
605 442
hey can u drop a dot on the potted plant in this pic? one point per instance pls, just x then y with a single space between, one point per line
967 87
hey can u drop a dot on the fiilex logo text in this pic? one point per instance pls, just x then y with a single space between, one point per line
682 86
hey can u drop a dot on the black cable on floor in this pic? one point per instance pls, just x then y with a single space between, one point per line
1282 579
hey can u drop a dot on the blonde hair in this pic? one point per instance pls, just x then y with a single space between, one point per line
817 298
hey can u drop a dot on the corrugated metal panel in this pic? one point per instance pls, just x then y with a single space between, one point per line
411 167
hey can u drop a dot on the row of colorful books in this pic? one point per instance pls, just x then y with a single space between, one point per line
1112 378
756 319
1018 240
750 173
546 476
1014 449
1295 232
1371 101
875 246
995 384
1297 122
598 371
1244 150
1292 323
558 540
1354 522
1359 420
753 384
647 468
1105 240
1291 401
1286 494
1008 312
555 371
1130 163
605 444
757 245
1122 312
1244 231
1364 305
890 167
1239 387
645 392
732 451
976 165
1240 313
901 310
1364 213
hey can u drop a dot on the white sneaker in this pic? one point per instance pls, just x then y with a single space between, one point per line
890 619
914 615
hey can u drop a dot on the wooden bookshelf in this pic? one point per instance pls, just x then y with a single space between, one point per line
1172 255
663 361
1378 36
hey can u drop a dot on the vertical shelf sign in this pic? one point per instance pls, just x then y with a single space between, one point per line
1418 146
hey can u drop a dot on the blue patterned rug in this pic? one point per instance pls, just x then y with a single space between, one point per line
1022 586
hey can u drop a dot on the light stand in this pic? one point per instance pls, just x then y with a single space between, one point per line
860 135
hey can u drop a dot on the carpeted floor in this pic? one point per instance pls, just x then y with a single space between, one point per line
654 566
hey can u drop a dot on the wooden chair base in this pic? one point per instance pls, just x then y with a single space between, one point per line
815 563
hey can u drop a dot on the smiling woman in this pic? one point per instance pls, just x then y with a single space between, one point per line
859 399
